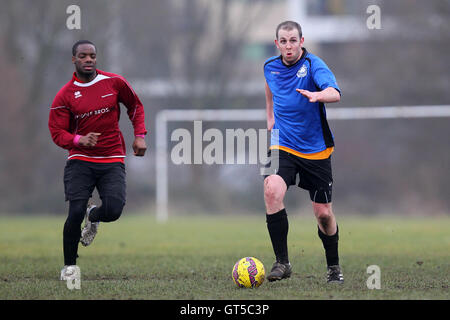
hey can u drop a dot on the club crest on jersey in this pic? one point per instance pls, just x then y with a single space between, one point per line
302 71
77 94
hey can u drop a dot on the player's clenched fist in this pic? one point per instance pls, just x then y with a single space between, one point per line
89 140
139 147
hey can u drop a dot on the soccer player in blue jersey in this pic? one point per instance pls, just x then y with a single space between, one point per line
298 84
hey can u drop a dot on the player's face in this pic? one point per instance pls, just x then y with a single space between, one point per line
290 45
85 60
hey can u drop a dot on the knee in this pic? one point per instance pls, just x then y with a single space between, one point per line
72 228
77 211
273 191
322 211
115 214
114 209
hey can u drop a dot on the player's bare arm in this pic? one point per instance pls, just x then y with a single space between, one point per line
139 146
269 107
328 95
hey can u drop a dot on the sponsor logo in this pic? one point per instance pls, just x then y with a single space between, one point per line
302 71
93 113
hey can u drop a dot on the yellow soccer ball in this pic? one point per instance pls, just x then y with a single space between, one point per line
248 272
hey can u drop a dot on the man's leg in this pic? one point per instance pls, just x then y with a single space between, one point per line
109 211
276 217
316 176
111 187
328 232
278 226
325 218
72 230
79 182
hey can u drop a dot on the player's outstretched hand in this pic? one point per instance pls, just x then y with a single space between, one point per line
89 140
139 146
312 96
328 95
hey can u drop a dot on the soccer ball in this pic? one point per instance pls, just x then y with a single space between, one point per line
249 273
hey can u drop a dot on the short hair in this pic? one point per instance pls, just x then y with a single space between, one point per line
289 25
78 43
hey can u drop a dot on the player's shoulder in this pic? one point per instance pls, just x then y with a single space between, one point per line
110 75
314 59
107 74
66 87
113 76
64 91
275 60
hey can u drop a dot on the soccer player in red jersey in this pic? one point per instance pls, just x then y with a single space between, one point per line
84 119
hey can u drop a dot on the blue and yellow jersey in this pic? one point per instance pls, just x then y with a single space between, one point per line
302 125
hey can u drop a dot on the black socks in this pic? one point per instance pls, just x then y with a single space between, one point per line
330 244
278 227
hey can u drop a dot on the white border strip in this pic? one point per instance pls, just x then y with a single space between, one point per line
388 112
82 155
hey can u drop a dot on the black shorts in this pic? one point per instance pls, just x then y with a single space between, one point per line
315 175
81 177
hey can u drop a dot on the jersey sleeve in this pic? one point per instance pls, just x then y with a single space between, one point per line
135 109
59 123
322 75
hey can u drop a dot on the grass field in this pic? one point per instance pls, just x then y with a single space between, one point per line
192 258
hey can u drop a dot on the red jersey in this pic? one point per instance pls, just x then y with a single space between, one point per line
80 108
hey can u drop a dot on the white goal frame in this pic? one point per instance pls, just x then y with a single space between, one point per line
164 116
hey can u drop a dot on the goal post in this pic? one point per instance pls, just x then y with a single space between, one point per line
167 115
